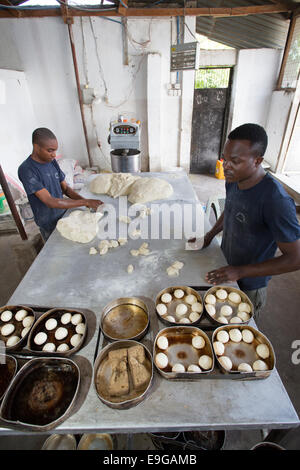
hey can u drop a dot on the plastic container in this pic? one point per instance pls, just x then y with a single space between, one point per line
219 173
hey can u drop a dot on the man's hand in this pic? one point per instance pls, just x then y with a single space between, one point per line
93 203
225 274
207 239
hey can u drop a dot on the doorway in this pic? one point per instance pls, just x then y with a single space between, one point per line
210 116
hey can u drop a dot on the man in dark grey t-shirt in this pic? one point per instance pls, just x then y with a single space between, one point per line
259 216
45 184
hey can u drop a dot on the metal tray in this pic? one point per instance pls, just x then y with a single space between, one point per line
18 326
234 306
174 302
122 402
29 404
244 352
126 318
8 369
181 350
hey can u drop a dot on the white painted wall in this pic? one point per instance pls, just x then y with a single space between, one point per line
17 118
254 81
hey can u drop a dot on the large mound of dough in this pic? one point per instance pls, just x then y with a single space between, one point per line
149 189
79 226
138 189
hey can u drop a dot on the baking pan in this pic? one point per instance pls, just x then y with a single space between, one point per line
39 326
41 395
126 318
221 303
8 369
17 324
171 306
103 373
242 352
180 350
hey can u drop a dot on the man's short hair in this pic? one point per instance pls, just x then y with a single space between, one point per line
41 134
254 133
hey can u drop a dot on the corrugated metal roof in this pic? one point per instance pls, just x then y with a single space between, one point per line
244 32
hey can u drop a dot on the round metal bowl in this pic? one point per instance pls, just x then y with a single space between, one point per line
60 442
180 350
41 395
103 373
39 326
96 442
174 302
245 353
8 369
126 318
220 303
18 326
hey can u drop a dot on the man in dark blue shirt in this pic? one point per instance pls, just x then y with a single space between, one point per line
45 184
258 217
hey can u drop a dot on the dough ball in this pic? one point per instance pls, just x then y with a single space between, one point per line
191 299
122 241
223 336
235 335
211 310
114 243
63 347
197 307
80 328
244 367
178 293
49 347
93 251
21 314
181 310
172 272
194 316
170 318
210 299
25 331
161 360
225 311
248 336
235 320
234 297
263 351
219 348
244 316
76 319
144 251
161 309
40 338
221 294
12 341
162 342
51 324
244 307
177 265
259 365
166 298
178 368
193 368
184 320
103 250
7 329
134 252
28 321
205 362
225 362
61 333
130 269
222 319
6 315
198 342
75 340
66 318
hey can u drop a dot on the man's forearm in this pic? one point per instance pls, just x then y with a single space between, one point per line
57 203
218 227
72 194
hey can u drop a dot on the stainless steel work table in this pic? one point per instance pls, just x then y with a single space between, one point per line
65 275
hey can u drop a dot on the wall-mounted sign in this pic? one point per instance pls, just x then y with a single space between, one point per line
185 56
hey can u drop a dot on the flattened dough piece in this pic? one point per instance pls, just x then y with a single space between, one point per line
79 226
121 184
149 189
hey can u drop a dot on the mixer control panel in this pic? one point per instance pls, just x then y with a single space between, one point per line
124 129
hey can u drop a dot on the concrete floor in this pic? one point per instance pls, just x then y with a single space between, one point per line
279 322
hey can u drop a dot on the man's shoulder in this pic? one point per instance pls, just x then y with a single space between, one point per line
274 188
25 166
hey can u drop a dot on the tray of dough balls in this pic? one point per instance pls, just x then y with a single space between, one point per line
242 352
183 353
15 324
228 305
179 305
